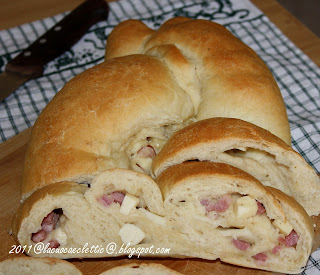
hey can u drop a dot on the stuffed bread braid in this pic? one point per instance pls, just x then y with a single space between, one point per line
116 116
151 84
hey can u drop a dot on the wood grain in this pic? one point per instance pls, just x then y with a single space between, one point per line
15 12
298 33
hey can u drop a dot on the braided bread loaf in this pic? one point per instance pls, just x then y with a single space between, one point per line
84 173
152 83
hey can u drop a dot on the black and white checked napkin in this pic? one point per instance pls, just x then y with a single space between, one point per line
297 76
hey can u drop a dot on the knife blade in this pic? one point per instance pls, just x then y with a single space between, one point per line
30 62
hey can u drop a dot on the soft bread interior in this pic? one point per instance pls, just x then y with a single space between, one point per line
128 208
118 206
250 148
237 233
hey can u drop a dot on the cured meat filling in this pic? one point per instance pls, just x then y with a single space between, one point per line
246 210
143 152
49 224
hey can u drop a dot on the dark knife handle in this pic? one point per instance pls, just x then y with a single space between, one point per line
58 39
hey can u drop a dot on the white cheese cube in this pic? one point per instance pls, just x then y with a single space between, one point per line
153 217
242 234
131 234
60 235
284 227
245 207
129 202
145 163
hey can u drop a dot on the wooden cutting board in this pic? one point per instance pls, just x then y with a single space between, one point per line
12 154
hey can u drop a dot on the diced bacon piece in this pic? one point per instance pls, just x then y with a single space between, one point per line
49 222
40 236
261 208
221 205
54 244
242 245
147 152
204 202
108 199
261 257
281 240
276 249
291 239
118 197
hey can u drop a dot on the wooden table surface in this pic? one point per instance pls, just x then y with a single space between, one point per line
16 12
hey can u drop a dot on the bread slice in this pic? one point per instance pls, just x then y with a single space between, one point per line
119 207
140 269
228 214
248 147
123 212
32 266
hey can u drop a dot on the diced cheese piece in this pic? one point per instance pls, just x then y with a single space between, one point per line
241 234
153 217
129 202
62 219
145 163
60 235
131 234
284 227
245 207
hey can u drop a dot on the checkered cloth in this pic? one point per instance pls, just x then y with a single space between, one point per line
297 76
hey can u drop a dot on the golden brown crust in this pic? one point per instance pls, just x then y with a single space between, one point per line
235 81
127 38
83 129
217 130
88 121
177 174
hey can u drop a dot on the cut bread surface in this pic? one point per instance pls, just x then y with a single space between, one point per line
196 209
248 147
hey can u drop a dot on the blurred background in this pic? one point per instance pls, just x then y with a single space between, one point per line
15 12
307 11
